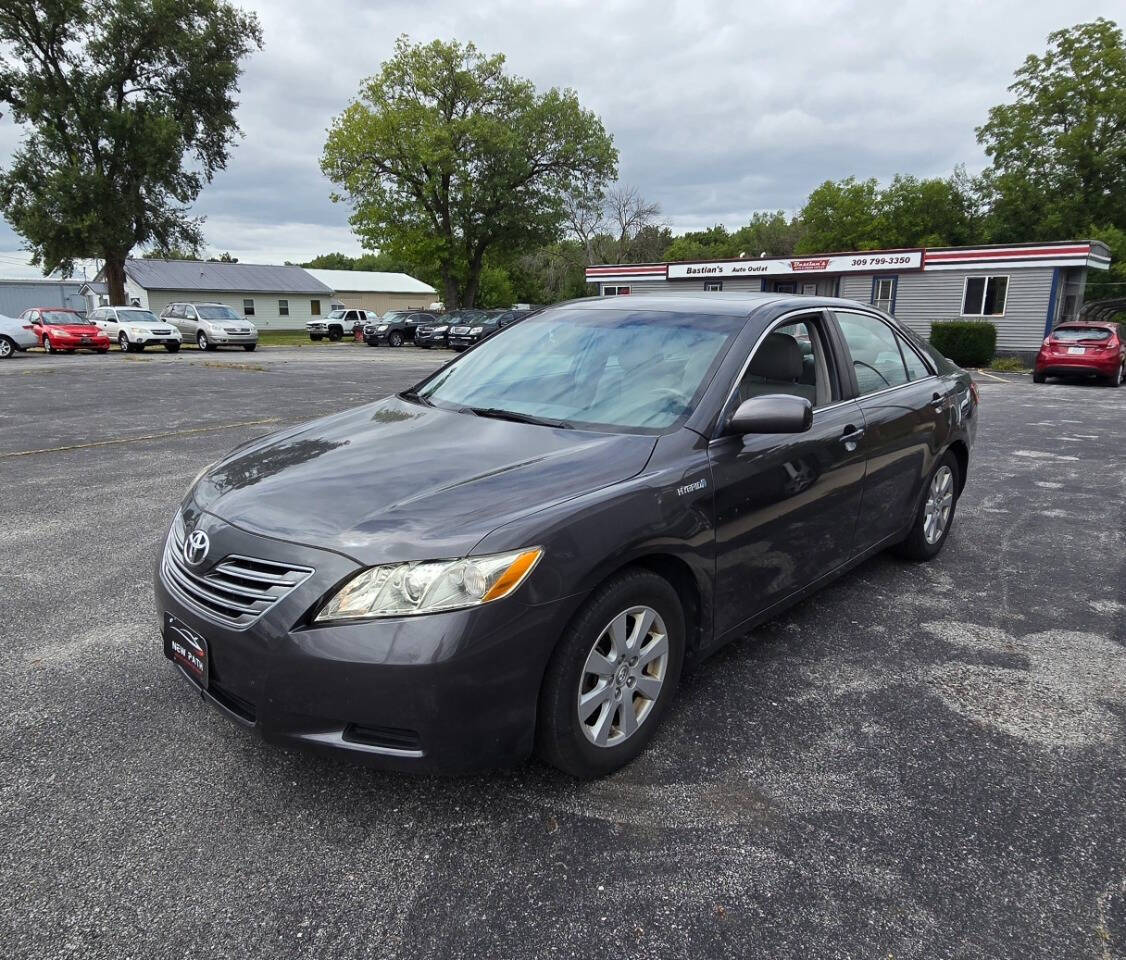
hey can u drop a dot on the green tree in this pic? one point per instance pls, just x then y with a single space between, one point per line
1059 149
446 159
771 233
379 262
715 243
840 215
928 213
129 110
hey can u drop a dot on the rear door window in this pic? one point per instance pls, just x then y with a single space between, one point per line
874 350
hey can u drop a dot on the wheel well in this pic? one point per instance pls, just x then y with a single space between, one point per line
679 574
962 455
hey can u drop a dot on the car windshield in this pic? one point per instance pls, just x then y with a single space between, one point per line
1081 333
336 314
217 313
62 316
136 316
626 370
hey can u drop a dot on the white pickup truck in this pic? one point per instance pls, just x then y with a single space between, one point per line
339 323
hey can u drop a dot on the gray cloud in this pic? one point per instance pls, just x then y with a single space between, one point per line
717 108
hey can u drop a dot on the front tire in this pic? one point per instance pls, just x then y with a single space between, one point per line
123 343
316 337
172 347
203 343
249 347
335 334
612 676
395 340
936 513
47 345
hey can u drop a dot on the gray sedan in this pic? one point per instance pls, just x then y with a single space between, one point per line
15 335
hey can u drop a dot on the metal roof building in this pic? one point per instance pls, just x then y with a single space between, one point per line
374 290
22 293
274 297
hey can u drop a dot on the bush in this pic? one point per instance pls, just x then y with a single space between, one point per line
1009 365
969 343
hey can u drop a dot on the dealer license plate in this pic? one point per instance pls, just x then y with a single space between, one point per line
187 649
1077 350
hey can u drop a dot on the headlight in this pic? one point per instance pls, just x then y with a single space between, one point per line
381 328
199 476
473 331
440 329
138 331
406 589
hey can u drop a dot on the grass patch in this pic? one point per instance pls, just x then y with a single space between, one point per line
1009 365
295 338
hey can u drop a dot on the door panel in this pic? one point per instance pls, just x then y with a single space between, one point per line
786 510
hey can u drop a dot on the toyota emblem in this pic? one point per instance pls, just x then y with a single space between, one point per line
196 547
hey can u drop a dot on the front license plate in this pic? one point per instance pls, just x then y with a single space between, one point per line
186 648
1077 351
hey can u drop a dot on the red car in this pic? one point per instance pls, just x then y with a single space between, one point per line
1083 350
60 329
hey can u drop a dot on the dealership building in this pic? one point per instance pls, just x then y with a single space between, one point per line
1023 289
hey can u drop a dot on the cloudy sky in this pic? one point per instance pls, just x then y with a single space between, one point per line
718 109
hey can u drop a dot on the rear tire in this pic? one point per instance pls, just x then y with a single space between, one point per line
596 663
1038 377
1116 380
7 348
935 516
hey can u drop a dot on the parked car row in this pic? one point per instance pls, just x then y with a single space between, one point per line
62 330
455 330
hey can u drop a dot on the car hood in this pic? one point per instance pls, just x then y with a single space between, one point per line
398 481
78 329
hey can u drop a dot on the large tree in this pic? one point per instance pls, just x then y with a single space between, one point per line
1059 148
446 160
129 111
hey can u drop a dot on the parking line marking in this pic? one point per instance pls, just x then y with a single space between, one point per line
991 376
150 436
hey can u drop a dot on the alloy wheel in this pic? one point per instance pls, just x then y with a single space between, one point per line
5 348
940 503
47 345
201 340
123 342
623 676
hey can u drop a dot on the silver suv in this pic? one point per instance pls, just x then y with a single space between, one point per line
211 325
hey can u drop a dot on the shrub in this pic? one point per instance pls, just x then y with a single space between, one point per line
969 343
1009 365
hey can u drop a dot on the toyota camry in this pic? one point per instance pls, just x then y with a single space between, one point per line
555 523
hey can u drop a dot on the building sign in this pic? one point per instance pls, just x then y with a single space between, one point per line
843 263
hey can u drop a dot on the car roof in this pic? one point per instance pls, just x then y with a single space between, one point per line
719 302
62 309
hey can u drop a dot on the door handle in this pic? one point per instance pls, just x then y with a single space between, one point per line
938 401
851 436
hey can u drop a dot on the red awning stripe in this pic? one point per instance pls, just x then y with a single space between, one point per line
1008 253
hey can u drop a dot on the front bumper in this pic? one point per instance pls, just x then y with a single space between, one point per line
232 339
463 342
446 692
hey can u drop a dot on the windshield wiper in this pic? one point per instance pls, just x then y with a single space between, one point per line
499 414
416 397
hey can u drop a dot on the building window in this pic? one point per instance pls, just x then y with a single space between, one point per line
283 308
615 291
248 308
315 307
809 289
713 285
883 293
984 296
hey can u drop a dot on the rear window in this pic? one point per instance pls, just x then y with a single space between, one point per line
1081 333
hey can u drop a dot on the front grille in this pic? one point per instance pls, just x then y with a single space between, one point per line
236 591
424 331
459 331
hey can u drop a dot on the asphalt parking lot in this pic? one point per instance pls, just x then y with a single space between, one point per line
922 761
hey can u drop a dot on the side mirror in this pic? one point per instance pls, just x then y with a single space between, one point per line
771 413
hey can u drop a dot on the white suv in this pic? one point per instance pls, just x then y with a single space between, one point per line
135 328
340 323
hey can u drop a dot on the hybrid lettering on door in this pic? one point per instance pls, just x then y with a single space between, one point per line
897 260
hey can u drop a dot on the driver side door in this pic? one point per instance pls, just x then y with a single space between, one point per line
786 504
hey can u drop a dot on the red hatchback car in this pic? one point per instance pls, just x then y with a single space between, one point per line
60 329
1083 350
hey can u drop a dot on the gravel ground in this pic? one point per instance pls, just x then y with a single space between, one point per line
922 761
